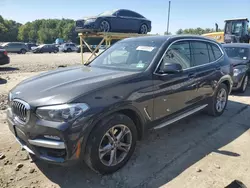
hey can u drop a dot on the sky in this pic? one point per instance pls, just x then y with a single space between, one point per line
183 14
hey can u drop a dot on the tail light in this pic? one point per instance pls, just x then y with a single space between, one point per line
5 53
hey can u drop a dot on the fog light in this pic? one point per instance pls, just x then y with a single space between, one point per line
52 137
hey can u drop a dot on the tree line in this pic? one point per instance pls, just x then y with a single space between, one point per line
48 30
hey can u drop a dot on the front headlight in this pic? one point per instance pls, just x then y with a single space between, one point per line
90 20
62 113
237 72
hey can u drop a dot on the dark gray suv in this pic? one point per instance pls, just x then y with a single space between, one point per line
97 112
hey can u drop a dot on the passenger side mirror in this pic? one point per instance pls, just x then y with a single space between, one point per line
171 68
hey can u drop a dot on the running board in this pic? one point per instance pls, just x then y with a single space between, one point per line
180 117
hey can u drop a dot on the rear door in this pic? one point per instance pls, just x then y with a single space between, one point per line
206 57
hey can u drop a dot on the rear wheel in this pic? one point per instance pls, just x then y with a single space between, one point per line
244 84
23 51
55 51
111 144
143 29
219 101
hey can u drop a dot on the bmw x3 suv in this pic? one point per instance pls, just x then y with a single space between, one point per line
98 111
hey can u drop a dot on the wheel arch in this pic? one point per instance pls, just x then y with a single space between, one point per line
227 80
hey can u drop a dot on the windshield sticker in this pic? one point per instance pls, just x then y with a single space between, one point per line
140 65
244 57
145 48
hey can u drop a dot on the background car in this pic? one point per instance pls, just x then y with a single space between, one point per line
30 45
45 48
15 47
239 53
4 58
85 49
68 47
121 20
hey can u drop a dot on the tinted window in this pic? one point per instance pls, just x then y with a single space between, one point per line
211 53
217 51
237 52
178 53
123 13
133 14
200 53
72 45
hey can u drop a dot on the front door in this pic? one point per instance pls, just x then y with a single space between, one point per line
122 21
175 92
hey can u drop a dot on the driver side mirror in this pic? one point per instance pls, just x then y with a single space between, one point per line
171 68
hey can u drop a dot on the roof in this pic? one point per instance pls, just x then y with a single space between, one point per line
240 45
163 38
236 19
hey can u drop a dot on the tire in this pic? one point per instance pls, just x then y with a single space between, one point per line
244 84
212 108
55 51
104 26
23 51
143 29
98 137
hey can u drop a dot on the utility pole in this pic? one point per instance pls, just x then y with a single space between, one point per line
169 4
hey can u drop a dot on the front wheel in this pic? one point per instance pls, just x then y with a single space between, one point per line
219 101
104 26
55 51
111 144
244 84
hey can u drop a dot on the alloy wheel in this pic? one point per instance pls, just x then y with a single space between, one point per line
221 100
104 26
115 145
144 29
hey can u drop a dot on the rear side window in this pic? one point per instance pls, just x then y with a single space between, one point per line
211 53
200 53
217 51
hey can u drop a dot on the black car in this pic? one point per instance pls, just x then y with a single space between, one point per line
97 112
121 20
85 49
45 48
4 58
239 53
30 45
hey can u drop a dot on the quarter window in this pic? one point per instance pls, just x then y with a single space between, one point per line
217 51
200 53
211 53
178 53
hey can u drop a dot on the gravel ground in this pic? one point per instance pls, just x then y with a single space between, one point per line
200 151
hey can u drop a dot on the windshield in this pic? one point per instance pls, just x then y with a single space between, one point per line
107 13
128 55
234 27
237 52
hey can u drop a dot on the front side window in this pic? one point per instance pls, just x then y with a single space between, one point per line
128 55
237 52
200 53
178 53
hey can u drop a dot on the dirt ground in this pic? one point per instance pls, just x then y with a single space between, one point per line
200 151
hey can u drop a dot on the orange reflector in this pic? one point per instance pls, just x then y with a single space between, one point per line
78 149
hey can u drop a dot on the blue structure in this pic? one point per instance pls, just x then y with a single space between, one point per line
59 41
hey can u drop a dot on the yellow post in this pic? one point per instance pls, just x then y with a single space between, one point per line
81 38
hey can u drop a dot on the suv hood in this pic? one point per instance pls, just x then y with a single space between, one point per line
236 62
65 84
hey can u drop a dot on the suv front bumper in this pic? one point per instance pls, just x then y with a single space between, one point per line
50 141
